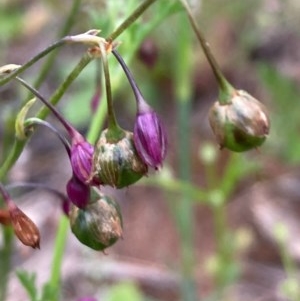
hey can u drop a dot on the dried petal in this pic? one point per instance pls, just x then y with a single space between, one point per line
24 228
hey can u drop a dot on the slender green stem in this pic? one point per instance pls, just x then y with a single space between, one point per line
5 260
12 157
184 210
64 31
18 71
226 88
65 84
114 133
131 19
112 122
59 248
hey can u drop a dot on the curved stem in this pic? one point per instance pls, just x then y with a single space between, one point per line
137 92
36 121
64 31
18 144
55 112
87 58
12 157
36 185
18 71
136 13
226 88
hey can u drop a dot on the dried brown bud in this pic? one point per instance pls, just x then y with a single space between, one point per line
24 228
4 217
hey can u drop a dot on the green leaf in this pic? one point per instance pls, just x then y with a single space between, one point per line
28 282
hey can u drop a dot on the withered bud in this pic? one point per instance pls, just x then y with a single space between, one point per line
117 163
240 125
24 228
4 217
98 225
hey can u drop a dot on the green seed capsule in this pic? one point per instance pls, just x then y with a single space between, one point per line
240 125
98 225
117 163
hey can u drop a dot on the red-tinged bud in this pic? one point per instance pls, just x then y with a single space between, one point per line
99 224
81 159
241 124
4 217
78 193
150 138
24 228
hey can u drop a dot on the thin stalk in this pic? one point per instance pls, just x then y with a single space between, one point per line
225 87
19 145
55 112
64 31
18 71
5 260
18 185
184 207
112 121
221 230
36 121
59 249
6 251
137 92
54 99
131 19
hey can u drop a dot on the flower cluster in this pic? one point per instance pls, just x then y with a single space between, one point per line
118 159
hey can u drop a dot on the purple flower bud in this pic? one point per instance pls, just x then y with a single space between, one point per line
78 192
81 159
149 136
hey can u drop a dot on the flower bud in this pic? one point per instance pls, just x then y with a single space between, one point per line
78 192
4 217
99 224
240 125
81 159
24 228
150 138
117 163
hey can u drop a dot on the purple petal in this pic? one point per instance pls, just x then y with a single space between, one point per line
150 139
81 160
78 192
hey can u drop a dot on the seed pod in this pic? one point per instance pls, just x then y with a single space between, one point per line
117 163
240 125
99 224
